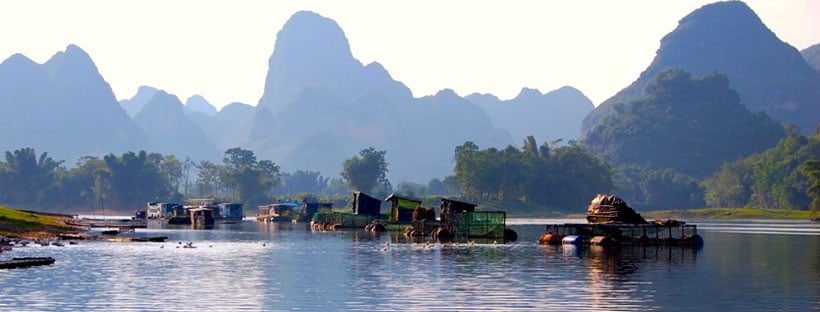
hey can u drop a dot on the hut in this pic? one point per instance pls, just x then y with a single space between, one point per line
311 207
462 221
364 204
402 207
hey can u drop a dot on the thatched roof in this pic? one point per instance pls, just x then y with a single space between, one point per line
608 208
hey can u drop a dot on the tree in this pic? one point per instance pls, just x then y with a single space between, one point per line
77 183
811 168
248 177
208 180
133 179
304 182
366 171
25 178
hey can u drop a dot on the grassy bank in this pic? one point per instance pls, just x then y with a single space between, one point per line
27 224
523 210
729 213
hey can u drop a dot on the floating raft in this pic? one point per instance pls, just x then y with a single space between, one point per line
669 232
25 262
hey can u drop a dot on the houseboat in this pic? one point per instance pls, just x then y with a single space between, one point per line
460 220
611 222
229 212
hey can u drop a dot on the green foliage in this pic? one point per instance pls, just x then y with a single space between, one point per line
681 132
649 189
553 177
128 181
248 177
689 125
778 178
25 178
303 181
811 168
366 172
132 179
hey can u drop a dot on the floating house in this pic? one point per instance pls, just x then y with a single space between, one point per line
202 216
364 204
461 220
402 207
278 212
161 210
366 209
229 212
611 222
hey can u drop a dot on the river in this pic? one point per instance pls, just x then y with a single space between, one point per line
743 266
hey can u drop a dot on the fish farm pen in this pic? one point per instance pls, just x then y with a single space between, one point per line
610 221
661 233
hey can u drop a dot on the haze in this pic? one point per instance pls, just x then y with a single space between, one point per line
219 49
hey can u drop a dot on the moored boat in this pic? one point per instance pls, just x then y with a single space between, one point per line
25 262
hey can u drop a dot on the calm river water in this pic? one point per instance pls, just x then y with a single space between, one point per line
743 266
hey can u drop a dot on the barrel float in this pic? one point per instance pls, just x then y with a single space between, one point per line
510 235
602 240
573 240
697 240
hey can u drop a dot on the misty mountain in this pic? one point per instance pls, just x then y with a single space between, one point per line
171 132
728 37
812 56
689 125
218 126
321 106
135 104
198 103
554 115
63 107
312 51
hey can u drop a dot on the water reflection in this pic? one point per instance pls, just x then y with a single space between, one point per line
283 266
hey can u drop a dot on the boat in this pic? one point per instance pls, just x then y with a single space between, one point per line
611 222
25 262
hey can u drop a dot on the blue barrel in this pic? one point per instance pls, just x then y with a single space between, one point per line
573 240
697 239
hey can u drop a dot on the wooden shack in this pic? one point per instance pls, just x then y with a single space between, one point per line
402 207
364 204
462 221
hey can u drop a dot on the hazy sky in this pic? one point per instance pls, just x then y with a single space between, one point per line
220 49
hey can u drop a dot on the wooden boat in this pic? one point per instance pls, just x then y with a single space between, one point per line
25 262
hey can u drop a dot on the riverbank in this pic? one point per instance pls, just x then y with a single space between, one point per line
729 213
692 214
32 225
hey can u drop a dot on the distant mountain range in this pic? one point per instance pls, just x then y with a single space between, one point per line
812 56
63 107
728 37
321 105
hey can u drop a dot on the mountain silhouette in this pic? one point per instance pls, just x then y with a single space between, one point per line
63 107
135 104
198 103
812 56
312 51
728 37
321 106
171 132
554 115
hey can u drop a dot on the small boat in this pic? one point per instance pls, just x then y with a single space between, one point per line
25 262
110 232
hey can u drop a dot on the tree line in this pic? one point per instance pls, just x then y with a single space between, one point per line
128 181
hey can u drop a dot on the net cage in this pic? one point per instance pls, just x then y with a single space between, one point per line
346 220
479 224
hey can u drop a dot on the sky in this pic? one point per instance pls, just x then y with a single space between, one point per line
220 49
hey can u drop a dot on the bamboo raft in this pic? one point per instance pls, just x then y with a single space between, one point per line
16 263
